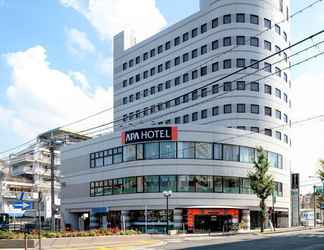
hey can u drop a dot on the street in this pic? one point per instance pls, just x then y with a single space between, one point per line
306 240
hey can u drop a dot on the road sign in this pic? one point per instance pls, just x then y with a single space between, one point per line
21 196
322 205
24 205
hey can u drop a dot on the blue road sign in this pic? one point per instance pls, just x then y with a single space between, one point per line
23 205
21 196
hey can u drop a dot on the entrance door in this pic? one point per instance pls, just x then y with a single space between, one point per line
216 223
202 223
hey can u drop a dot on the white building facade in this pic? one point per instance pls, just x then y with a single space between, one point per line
178 84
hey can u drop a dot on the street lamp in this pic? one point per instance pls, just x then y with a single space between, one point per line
167 194
314 194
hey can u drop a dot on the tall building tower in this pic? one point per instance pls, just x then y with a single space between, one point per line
183 123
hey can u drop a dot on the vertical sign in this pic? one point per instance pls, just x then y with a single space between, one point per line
295 206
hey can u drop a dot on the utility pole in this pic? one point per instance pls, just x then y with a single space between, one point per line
314 194
51 149
39 220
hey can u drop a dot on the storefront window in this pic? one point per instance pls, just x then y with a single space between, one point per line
186 150
168 182
231 184
118 186
129 153
151 151
231 152
167 150
204 151
218 184
246 186
186 183
151 184
218 151
130 184
204 184
273 159
140 184
247 154
139 153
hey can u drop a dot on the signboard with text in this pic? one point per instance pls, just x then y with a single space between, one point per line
149 134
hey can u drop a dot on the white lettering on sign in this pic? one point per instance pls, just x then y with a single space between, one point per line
164 133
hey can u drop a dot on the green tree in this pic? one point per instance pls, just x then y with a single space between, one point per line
261 181
321 171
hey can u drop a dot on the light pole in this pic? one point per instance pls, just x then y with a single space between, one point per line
167 194
314 194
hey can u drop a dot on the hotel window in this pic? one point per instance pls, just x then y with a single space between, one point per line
168 149
160 68
185 77
286 138
215 111
124 83
268 132
227 41
151 150
231 153
240 62
152 71
185 37
277 29
227 86
254 19
168 84
285 36
227 108
177 101
278 114
285 98
247 154
145 56
267 111
285 76
145 74
168 182
131 98
194 53
204 114
194 74
194 116
267 45
240 108
152 90
194 32
203 28
218 184
240 85
117 155
160 87
254 64
278 135
151 184
118 186
278 71
267 89
203 49
215 45
131 63
215 66
152 52
167 64
177 120
137 59
215 88
176 41
204 184
168 104
254 41
194 95
130 185
203 71
146 92
254 86
185 57
215 22
167 45
129 152
278 93
267 23
255 129
185 98
137 78
125 99
278 50
186 183
240 18
240 40
227 64
177 61
177 81
160 49
186 150
131 80
267 67
138 95
227 19
124 66
255 109
204 150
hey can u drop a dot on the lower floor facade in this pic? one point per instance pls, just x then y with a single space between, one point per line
189 220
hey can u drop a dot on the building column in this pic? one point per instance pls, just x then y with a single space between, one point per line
124 219
178 219
246 219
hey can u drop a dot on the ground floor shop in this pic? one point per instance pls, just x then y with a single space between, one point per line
192 220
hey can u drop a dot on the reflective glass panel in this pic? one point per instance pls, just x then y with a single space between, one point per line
168 182
186 150
151 151
204 150
151 184
167 150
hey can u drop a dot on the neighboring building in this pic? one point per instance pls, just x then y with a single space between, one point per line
197 135
28 172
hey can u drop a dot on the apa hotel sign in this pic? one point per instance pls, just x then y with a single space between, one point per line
150 134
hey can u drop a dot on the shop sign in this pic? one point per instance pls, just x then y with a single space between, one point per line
149 134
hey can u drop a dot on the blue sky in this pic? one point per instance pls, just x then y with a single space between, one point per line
66 46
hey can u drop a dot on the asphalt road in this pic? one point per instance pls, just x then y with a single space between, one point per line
306 240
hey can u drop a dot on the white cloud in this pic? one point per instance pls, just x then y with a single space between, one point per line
110 17
308 142
77 42
41 97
